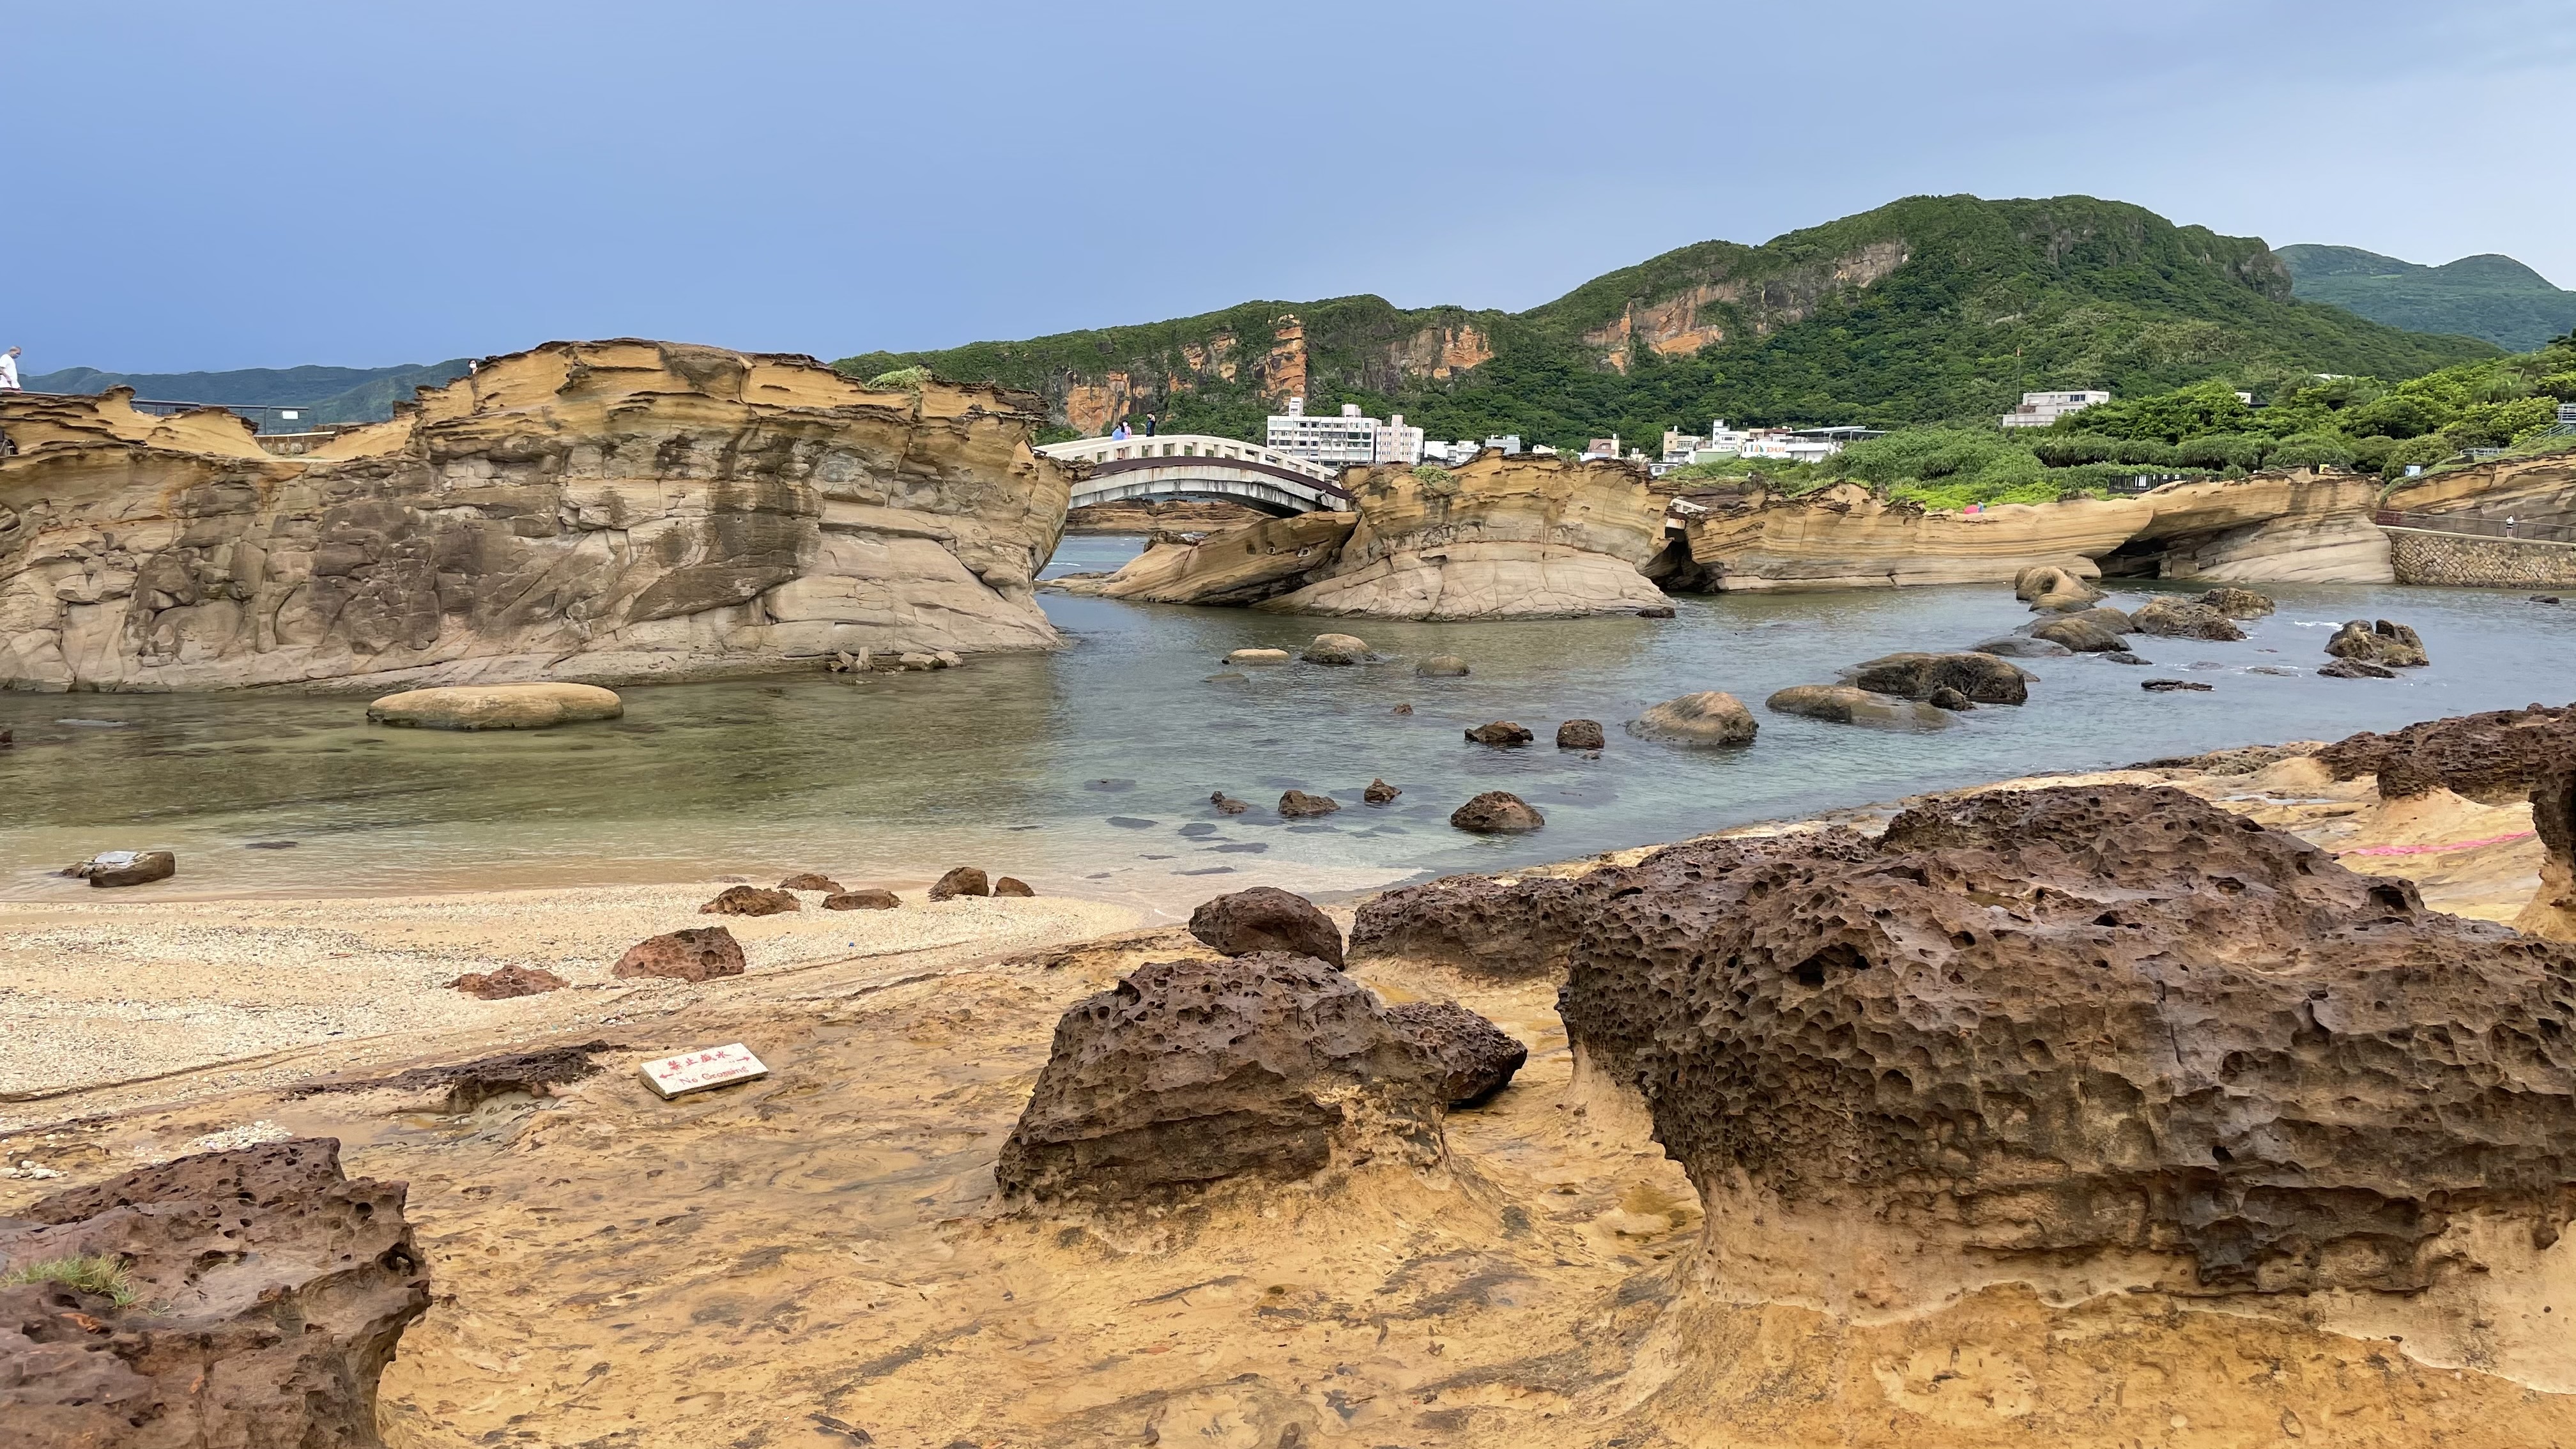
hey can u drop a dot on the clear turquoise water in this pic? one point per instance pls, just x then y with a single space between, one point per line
1088 771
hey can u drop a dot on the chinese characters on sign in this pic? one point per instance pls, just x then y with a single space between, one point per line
695 1071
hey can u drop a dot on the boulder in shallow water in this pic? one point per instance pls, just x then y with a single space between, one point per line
497 706
126 867
2048 586
1337 649
1497 812
1706 720
2354 669
1982 677
1501 732
1011 885
1379 792
2024 646
1266 918
2086 633
1950 699
1188 1073
2171 686
866 900
2168 617
2394 645
1256 657
743 900
1227 804
701 953
1475 1058
2237 603
264 1292
1298 805
965 880
1842 704
1442 666
508 982
1581 734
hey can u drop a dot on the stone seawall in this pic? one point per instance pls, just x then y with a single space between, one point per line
2462 561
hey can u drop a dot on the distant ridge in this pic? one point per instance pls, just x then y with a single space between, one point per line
321 394
2489 296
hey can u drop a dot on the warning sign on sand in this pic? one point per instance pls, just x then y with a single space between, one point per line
695 1071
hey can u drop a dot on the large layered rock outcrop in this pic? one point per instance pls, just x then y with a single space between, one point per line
262 1294
2097 1040
598 511
1522 536
2495 757
2286 527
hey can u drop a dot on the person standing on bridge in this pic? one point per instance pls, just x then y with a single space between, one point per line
1119 433
1153 421
9 370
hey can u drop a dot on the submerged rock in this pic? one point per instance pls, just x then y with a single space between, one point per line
701 953
263 1293
497 706
1501 732
1842 704
2235 1070
866 900
2354 669
1187 1073
1379 792
1256 657
1298 805
1266 918
1497 812
1476 1058
2237 603
1337 649
1984 678
1442 666
964 880
1581 734
2168 617
2023 646
2394 646
126 868
510 981
2169 686
1708 719
743 900
1227 803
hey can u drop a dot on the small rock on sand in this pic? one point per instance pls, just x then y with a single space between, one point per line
867 900
497 706
1266 918
511 981
699 954
1011 885
965 880
807 880
744 900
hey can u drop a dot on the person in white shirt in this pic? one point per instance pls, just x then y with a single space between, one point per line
9 370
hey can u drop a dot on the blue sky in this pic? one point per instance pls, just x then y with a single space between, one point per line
260 185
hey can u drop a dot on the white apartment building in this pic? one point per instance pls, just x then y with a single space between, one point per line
1344 440
2039 409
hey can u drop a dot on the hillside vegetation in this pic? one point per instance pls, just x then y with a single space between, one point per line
319 394
1929 310
2488 296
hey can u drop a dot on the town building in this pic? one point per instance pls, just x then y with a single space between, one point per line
1343 440
2040 409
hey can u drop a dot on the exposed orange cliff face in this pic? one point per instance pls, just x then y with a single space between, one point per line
602 511
1682 323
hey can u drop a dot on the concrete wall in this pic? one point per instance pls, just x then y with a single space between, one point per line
2461 561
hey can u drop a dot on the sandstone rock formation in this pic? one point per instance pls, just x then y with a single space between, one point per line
510 981
1266 918
1709 719
1488 926
1242 657
599 511
1441 666
497 706
1298 805
266 1292
1163 515
2552 912
2168 617
1842 704
964 880
2084 633
1581 734
2049 587
1014 887
2237 603
1497 812
2354 669
865 900
2495 757
2104 1036
1337 649
2024 646
699 953
1263 1067
1983 678
1244 564
743 900
1502 733
1476 1058
810 880
126 867
2391 646
2295 526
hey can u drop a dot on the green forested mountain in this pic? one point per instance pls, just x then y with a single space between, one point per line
2487 296
319 394
1930 309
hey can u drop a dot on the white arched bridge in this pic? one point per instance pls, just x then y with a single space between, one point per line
1195 465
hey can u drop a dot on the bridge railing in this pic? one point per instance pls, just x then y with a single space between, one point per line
1188 445
2467 524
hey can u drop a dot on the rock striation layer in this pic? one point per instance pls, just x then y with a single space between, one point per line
595 511
266 1292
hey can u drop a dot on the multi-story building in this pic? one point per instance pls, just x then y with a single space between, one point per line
2039 409
1344 440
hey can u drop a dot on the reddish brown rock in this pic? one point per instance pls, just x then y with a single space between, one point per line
1266 918
2552 912
266 1294
1298 805
807 880
743 900
868 900
1227 803
1983 678
699 954
1475 1058
1581 734
1187 1073
2169 617
965 880
2390 646
1379 792
2354 669
1011 885
2107 1024
1476 923
2495 757
507 982
1501 732
1497 812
